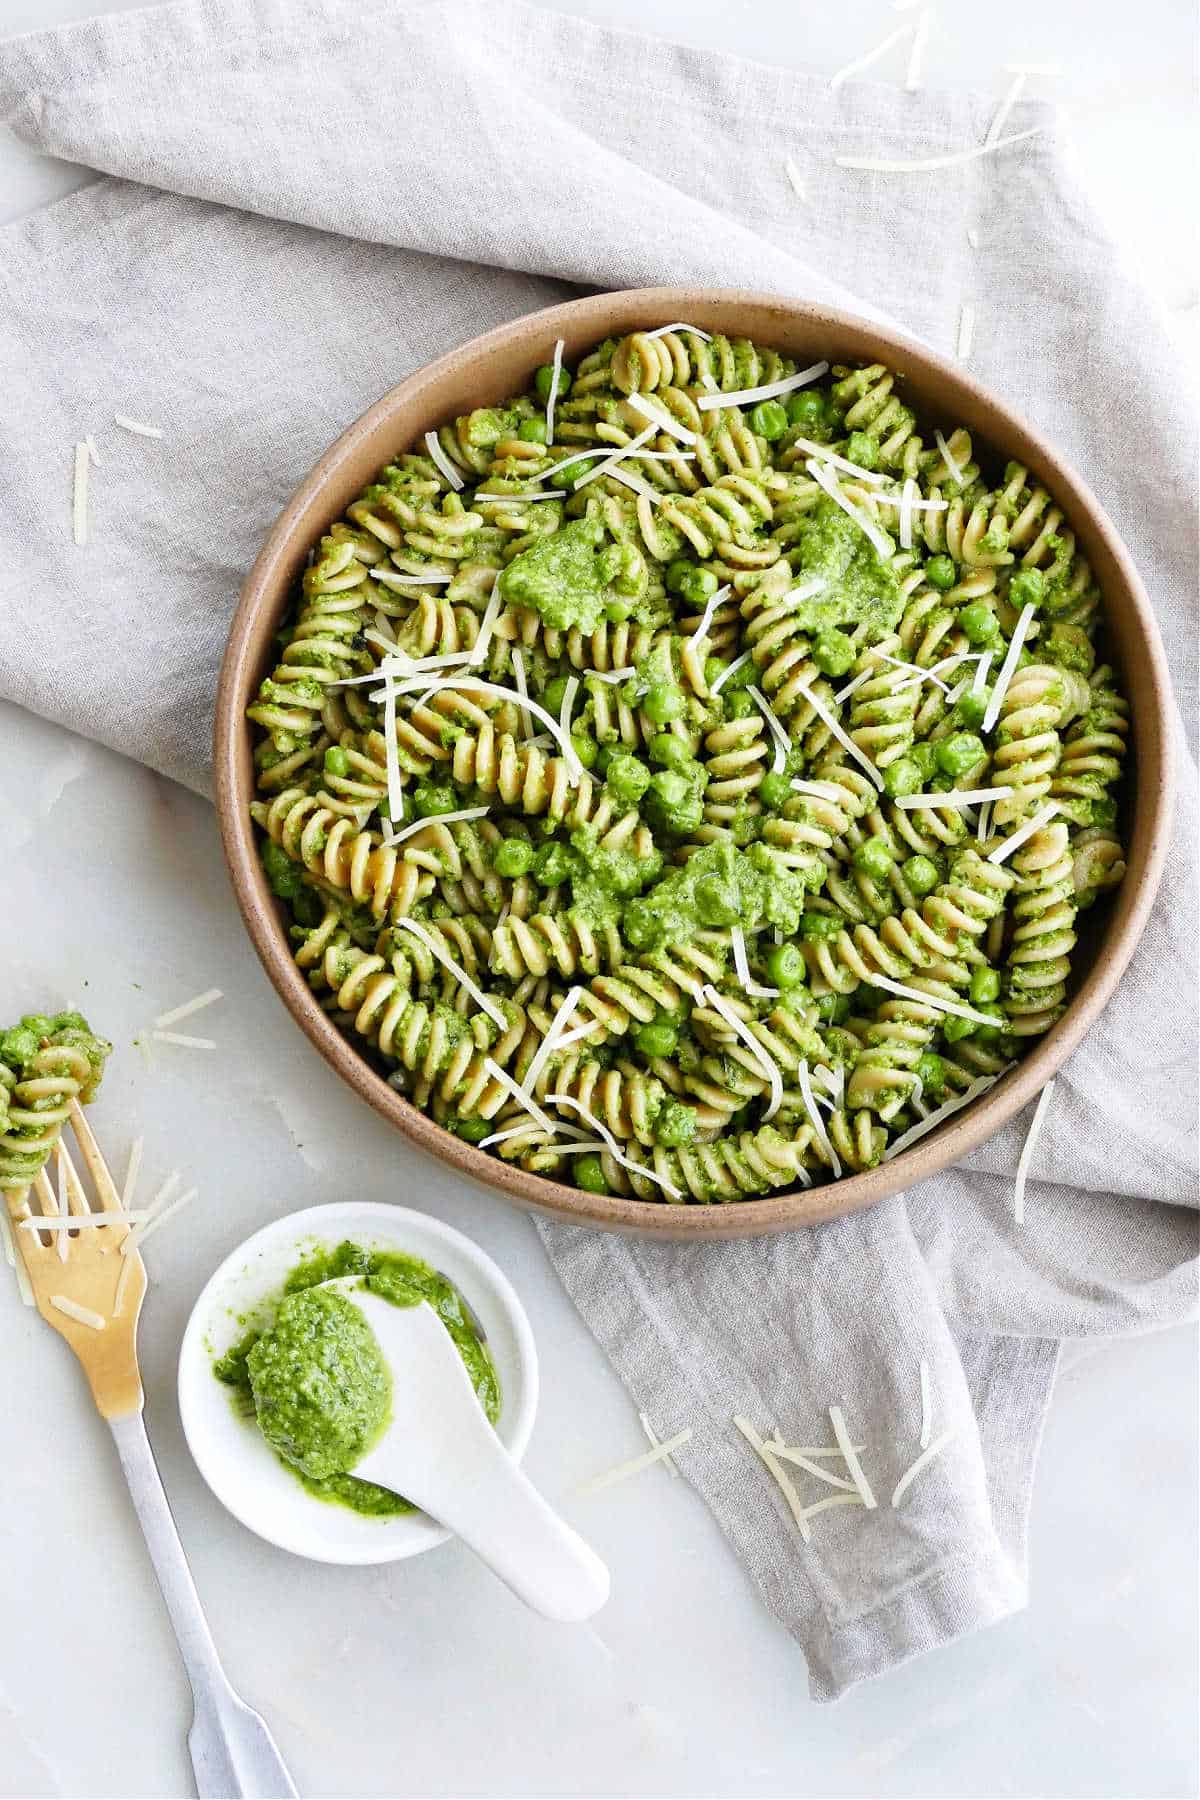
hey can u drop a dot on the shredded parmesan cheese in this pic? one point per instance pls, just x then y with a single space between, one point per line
801 1461
658 415
824 478
661 1453
914 1469
782 742
473 685
723 677
881 165
450 818
1026 1156
851 1458
766 1063
954 797
662 330
939 1113
442 462
460 975
515 1093
818 1123
390 578
93 452
872 56
558 1023
707 618
907 497
916 56
966 331
795 179
843 737
614 1149
82 1315
838 462
782 1481
79 501
134 425
1000 117
935 1002
552 396
183 1040
655 1441
178 1013
1007 668
771 391
914 669
973 238
741 964
620 455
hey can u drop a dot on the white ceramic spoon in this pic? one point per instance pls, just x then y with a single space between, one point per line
440 1452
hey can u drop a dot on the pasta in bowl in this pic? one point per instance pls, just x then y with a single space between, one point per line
691 761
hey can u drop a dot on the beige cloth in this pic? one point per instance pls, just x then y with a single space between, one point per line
309 198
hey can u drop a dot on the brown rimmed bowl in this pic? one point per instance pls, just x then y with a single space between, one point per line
501 363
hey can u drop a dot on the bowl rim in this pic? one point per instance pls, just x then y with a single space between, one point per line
645 308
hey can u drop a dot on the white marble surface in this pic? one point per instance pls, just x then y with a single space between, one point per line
426 1678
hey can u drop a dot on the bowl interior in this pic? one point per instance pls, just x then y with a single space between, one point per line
232 1454
501 363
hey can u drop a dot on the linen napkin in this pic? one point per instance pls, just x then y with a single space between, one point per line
305 200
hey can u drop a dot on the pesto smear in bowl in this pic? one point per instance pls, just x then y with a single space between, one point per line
316 1382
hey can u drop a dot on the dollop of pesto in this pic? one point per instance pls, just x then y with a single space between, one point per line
859 589
719 885
319 1381
564 576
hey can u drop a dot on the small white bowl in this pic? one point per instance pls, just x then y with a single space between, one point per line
232 1454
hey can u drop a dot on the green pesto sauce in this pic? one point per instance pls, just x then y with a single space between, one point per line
859 588
562 576
718 887
316 1381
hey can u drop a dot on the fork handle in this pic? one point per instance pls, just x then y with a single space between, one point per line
233 1753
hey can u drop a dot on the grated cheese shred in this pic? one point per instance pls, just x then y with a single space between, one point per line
872 56
655 1443
846 1446
782 741
552 396
82 1315
1007 668
882 165
810 1107
136 426
770 391
825 479
442 955
767 1064
914 1469
843 737
442 462
178 1013
661 417
1026 1156
662 1452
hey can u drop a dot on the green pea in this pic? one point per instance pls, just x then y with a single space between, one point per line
543 381
604 756
657 1039
677 573
941 573
806 409
617 610
902 777
713 668
987 1034
552 864
513 857
833 1008
954 1028
627 777
336 761
931 1072
675 1125
590 1176
959 753
739 705
716 901
670 752
833 653
532 431
785 966
985 985
925 757
921 874
862 449
769 420
774 791
744 676
431 799
816 927
567 474
875 858
699 587
555 694
585 748
972 707
384 807
1027 588
978 623
663 703
471 1130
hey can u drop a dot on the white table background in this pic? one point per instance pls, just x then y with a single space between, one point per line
426 1678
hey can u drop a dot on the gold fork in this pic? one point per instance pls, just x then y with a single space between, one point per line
91 1292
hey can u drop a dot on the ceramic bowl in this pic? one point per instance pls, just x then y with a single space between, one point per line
230 1451
499 364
